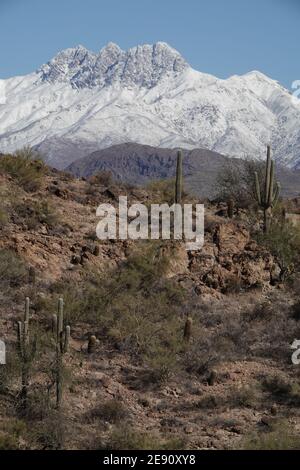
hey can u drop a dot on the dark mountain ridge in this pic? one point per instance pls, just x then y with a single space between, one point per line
139 164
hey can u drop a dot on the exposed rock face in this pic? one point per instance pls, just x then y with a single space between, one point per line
230 260
142 65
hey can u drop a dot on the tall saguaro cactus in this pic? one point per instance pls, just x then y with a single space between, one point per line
267 197
178 182
62 339
26 351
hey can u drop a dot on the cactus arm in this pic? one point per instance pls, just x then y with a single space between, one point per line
26 313
20 339
26 351
271 185
257 189
60 320
54 323
268 174
67 338
62 346
276 194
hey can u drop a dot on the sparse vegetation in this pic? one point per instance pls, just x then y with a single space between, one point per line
283 241
26 167
194 345
236 182
12 268
281 436
34 213
126 438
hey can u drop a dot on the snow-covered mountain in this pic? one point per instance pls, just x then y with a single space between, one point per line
80 102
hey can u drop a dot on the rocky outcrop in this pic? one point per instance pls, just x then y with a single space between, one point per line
230 261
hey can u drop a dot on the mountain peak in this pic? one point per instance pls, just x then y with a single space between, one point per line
111 47
143 65
66 64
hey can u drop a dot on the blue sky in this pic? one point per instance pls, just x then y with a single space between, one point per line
222 37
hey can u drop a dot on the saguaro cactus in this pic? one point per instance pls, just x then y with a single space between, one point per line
26 351
230 207
268 197
178 181
188 329
62 339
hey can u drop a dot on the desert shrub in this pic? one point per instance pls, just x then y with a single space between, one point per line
236 180
8 442
283 241
104 177
295 311
210 347
112 411
14 429
12 269
162 191
50 433
126 438
244 397
3 217
269 328
201 355
9 371
209 402
282 389
25 167
38 406
277 386
281 436
34 213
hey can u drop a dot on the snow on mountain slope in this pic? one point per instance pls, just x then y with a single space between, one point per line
81 101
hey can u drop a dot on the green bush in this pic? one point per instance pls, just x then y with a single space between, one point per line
14 429
163 191
103 177
3 218
236 181
9 371
283 241
112 411
280 437
34 213
50 433
12 269
127 438
25 167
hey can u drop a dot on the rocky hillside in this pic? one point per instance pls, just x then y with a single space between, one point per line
192 349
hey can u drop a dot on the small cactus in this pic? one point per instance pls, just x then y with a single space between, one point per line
212 378
178 181
31 275
96 251
92 344
188 329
